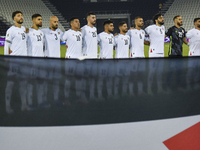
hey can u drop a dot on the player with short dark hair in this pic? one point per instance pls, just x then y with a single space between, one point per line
122 41
73 38
177 36
194 39
15 44
157 36
89 35
106 40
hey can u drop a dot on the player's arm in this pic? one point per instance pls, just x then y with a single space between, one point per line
185 40
115 41
169 32
8 42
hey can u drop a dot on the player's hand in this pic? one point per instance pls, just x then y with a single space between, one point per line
27 30
66 46
10 51
116 34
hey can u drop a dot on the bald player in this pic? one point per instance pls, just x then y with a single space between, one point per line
52 37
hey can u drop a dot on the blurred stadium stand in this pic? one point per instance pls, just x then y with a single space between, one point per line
28 8
187 9
145 9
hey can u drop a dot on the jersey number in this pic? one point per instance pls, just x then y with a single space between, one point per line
94 34
126 42
110 40
23 36
161 31
140 36
56 37
39 38
78 38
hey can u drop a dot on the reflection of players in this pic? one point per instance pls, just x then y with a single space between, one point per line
137 36
177 34
157 36
35 49
106 41
194 39
73 39
15 44
122 42
52 38
89 35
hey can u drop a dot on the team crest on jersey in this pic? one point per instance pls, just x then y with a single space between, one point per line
40 33
106 37
34 34
142 32
122 38
58 32
72 34
135 32
111 36
156 28
162 28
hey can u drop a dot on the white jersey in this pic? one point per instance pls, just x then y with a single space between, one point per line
157 37
89 36
194 42
106 42
122 43
52 42
136 42
35 43
16 41
74 42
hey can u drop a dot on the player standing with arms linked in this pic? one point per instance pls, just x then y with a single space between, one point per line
177 34
35 41
194 39
156 33
106 40
89 35
52 37
73 39
15 44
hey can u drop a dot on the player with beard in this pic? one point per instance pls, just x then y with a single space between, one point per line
35 49
177 35
156 33
106 40
52 37
122 42
137 36
194 39
15 44
89 35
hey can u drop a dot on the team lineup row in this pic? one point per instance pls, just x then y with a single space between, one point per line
83 42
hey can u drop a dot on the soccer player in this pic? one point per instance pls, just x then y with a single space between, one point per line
177 34
35 49
137 36
89 35
35 37
156 49
15 44
106 40
194 39
73 39
122 42
156 33
53 36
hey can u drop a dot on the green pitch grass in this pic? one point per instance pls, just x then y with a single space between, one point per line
146 50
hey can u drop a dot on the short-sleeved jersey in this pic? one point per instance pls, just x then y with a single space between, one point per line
176 35
106 42
157 37
136 43
122 43
17 38
194 42
35 43
52 42
89 36
74 42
